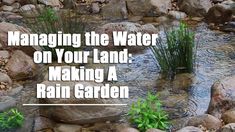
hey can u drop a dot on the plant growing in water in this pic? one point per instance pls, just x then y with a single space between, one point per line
177 54
50 21
147 113
11 119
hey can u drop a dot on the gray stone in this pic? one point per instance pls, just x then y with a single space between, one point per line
177 15
190 129
8 2
53 3
4 54
228 128
95 8
7 8
6 103
194 7
5 78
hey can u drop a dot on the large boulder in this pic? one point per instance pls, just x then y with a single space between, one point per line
148 7
20 66
195 7
208 121
219 15
4 28
222 96
80 114
118 11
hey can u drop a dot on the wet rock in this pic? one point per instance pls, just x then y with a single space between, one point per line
154 130
53 3
116 12
228 128
190 129
222 96
42 123
208 121
177 15
8 2
148 7
5 78
95 8
7 8
6 103
20 66
129 129
195 7
229 116
82 114
218 15
4 54
67 128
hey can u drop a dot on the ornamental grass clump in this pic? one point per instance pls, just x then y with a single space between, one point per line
148 113
49 21
176 53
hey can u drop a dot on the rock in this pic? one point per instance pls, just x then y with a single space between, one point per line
125 26
229 4
53 3
228 128
95 8
129 129
190 129
28 10
7 8
229 116
154 130
5 78
4 28
116 12
194 7
177 15
8 2
16 5
42 123
67 128
228 27
208 121
4 54
6 103
218 15
20 66
222 96
148 7
81 114
69 4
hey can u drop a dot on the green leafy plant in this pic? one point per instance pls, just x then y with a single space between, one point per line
147 113
11 119
50 21
177 54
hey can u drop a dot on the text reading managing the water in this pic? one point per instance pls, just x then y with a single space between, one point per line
70 64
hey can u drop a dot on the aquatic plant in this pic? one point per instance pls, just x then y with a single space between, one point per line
176 54
11 119
48 21
147 113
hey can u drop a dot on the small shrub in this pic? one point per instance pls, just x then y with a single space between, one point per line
147 113
50 21
177 53
11 119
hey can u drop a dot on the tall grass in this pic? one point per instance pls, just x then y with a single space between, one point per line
47 20
177 53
